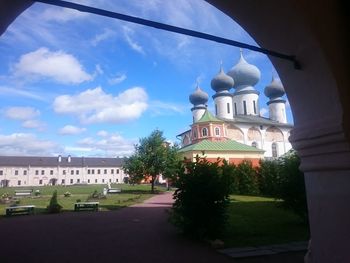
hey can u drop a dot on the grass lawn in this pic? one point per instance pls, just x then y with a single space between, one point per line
129 195
255 221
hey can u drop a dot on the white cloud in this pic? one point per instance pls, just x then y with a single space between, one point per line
34 124
117 79
59 14
128 33
26 144
58 65
71 130
21 113
106 34
96 106
264 112
111 145
102 133
6 91
163 108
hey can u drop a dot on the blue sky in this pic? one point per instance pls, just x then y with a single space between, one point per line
85 85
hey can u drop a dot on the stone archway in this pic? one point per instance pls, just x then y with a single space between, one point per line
319 94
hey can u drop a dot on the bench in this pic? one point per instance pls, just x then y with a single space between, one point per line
23 192
113 190
86 206
23 210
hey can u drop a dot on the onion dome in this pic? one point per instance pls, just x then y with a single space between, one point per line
244 74
222 82
274 89
199 96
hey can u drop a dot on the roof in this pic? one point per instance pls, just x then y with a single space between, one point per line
53 161
208 117
252 119
228 145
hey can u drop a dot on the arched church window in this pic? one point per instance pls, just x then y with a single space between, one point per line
228 108
254 105
216 109
245 107
274 150
254 144
217 131
204 132
235 108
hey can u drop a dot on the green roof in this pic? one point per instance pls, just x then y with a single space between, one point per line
228 145
208 117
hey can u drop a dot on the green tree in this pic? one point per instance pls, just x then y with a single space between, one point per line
153 156
245 179
134 168
54 206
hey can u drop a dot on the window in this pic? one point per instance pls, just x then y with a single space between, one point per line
71 181
112 171
254 105
195 134
245 107
63 181
51 172
117 171
116 180
1 172
42 172
78 180
16 172
204 132
71 172
217 131
103 180
110 180
19 182
64 172
88 171
254 144
216 109
25 172
228 108
88 181
96 181
235 108
93 171
98 171
105 171
77 172
40 181
36 172
274 149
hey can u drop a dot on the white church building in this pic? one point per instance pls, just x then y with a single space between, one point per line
239 110
39 171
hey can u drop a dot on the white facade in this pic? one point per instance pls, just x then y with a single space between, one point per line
62 173
277 111
197 113
223 106
246 104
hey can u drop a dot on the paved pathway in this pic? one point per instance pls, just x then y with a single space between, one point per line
140 233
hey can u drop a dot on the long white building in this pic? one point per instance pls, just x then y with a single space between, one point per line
39 171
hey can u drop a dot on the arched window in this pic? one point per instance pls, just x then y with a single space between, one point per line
274 149
217 131
194 134
254 144
204 132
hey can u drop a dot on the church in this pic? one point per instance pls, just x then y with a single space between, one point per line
237 131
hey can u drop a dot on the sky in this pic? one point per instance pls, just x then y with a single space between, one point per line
79 84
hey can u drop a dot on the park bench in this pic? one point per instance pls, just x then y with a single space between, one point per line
23 210
86 206
23 192
113 190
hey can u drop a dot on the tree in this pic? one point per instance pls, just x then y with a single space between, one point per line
153 156
134 168
54 206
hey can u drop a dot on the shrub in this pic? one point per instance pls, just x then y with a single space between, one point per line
268 177
245 181
201 198
67 194
54 206
292 185
78 200
37 192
